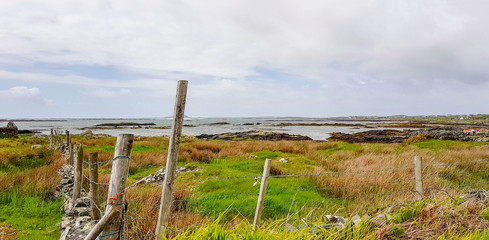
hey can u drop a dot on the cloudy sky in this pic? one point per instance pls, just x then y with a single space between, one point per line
123 58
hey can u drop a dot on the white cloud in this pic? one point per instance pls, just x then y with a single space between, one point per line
355 56
232 38
108 93
24 94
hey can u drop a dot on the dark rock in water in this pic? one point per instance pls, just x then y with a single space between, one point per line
124 124
394 136
218 123
372 136
255 135
9 131
455 133
25 131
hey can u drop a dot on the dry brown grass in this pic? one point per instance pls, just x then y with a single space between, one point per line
391 156
43 178
275 169
144 205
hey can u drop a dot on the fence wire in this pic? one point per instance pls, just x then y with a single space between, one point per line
433 176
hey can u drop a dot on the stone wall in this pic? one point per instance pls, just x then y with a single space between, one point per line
77 221
10 131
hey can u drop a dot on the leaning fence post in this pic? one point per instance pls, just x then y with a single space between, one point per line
171 162
78 172
263 191
93 159
418 175
117 185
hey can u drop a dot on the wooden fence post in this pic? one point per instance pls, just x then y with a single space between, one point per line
418 175
171 161
71 160
78 172
263 191
117 185
67 137
93 159
51 139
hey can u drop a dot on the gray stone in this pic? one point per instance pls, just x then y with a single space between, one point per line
336 219
81 211
290 228
81 221
379 220
36 146
65 233
82 202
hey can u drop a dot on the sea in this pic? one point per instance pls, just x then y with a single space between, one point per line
197 125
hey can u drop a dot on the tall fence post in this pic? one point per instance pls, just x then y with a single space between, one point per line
263 191
78 172
117 185
171 161
418 175
93 159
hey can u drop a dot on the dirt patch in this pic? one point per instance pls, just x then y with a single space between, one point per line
7 232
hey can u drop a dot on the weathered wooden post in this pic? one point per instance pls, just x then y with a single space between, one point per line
171 162
67 139
117 184
51 139
418 175
71 160
263 191
78 172
93 158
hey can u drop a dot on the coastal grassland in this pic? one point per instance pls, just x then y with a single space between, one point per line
27 180
216 187
220 193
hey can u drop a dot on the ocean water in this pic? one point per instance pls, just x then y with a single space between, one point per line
199 126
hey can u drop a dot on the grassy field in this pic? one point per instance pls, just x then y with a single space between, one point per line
218 197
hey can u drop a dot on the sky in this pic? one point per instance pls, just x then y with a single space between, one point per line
246 58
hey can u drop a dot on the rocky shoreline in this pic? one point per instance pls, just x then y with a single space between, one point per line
254 135
397 136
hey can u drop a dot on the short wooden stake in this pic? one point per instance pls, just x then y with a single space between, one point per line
171 162
263 191
117 184
93 158
418 175
78 172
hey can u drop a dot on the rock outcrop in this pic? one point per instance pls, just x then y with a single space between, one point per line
372 136
255 135
10 131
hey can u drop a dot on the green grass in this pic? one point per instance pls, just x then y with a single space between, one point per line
135 148
221 193
34 217
22 164
437 145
